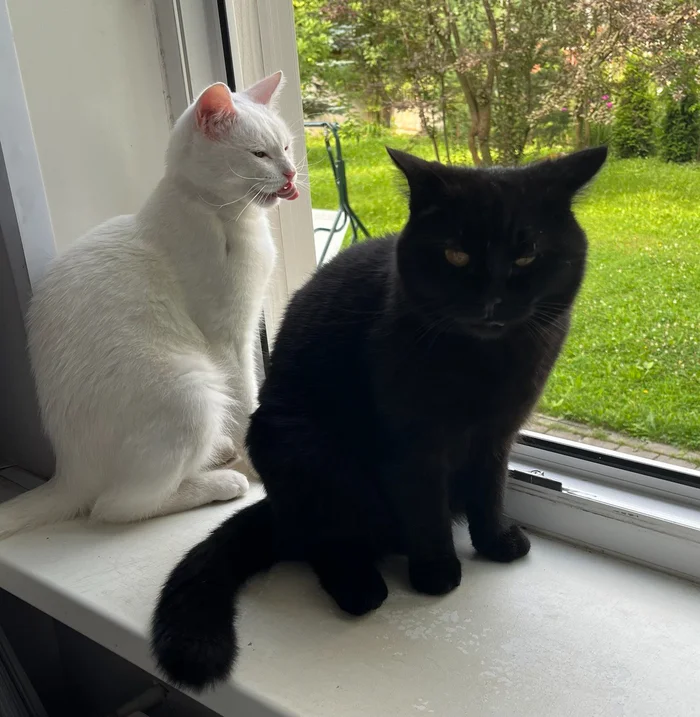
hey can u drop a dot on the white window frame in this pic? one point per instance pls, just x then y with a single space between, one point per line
616 510
263 41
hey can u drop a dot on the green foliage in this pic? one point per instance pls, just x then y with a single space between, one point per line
633 126
511 126
313 33
498 71
631 362
680 129
356 129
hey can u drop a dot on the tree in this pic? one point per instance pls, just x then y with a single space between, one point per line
512 65
365 47
314 47
597 38
680 129
528 65
633 127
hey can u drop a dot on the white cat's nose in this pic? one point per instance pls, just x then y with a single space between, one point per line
290 174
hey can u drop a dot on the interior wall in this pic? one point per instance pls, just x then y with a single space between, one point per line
98 109
100 137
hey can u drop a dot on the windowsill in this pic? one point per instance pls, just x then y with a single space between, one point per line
548 635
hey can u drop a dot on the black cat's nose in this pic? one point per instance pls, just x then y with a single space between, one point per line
490 305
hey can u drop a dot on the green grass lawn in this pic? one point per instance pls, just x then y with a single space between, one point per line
632 361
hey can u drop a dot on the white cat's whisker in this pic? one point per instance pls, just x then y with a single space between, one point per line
255 196
253 179
227 204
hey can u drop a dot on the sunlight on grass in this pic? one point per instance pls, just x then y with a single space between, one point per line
632 362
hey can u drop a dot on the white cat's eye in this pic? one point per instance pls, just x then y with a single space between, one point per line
524 260
457 258
260 154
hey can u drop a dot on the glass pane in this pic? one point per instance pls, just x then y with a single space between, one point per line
502 82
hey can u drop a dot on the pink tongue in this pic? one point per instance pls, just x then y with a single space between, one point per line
289 191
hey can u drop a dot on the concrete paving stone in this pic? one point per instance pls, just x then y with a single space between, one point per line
590 441
638 452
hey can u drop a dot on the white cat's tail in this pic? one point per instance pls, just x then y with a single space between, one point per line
48 503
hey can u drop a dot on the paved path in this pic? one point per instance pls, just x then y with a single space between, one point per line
614 441
323 218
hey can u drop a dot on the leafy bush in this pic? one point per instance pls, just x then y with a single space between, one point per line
355 128
633 126
680 129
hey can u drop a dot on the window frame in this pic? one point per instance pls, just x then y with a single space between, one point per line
263 40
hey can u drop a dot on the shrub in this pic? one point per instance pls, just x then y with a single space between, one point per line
633 126
680 129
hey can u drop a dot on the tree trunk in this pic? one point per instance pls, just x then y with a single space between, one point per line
473 117
443 112
386 113
485 134
429 130
471 140
436 146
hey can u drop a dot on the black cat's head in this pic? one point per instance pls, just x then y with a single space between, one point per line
485 249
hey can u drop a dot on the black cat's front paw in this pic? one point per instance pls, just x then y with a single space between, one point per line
508 545
437 576
356 592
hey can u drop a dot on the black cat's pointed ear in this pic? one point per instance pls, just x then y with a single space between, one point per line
409 164
422 176
573 172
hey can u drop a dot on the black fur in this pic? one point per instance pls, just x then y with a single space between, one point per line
396 386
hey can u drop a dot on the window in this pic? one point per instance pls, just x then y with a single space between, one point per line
618 429
628 372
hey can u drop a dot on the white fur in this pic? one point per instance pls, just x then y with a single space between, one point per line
142 333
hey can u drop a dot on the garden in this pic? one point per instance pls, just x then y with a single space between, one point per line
505 83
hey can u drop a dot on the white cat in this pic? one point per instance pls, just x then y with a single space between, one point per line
142 333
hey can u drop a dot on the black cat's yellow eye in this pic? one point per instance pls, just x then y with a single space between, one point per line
524 260
457 258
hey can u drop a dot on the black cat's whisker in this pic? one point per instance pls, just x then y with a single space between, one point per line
536 331
553 319
437 328
440 331
546 331
553 305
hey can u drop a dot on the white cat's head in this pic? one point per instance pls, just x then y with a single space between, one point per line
234 145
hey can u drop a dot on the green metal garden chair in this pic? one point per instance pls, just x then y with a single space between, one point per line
345 211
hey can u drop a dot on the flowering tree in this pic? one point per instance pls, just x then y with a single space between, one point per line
598 36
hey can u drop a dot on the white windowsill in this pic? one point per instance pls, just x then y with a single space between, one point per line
561 632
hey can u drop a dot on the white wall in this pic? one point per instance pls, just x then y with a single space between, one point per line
101 137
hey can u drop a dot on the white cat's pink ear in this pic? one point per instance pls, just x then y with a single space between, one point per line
266 91
215 111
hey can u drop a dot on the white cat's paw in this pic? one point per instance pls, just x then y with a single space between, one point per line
229 484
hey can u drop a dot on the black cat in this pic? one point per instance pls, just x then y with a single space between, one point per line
399 379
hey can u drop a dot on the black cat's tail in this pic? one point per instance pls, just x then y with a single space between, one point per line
193 636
